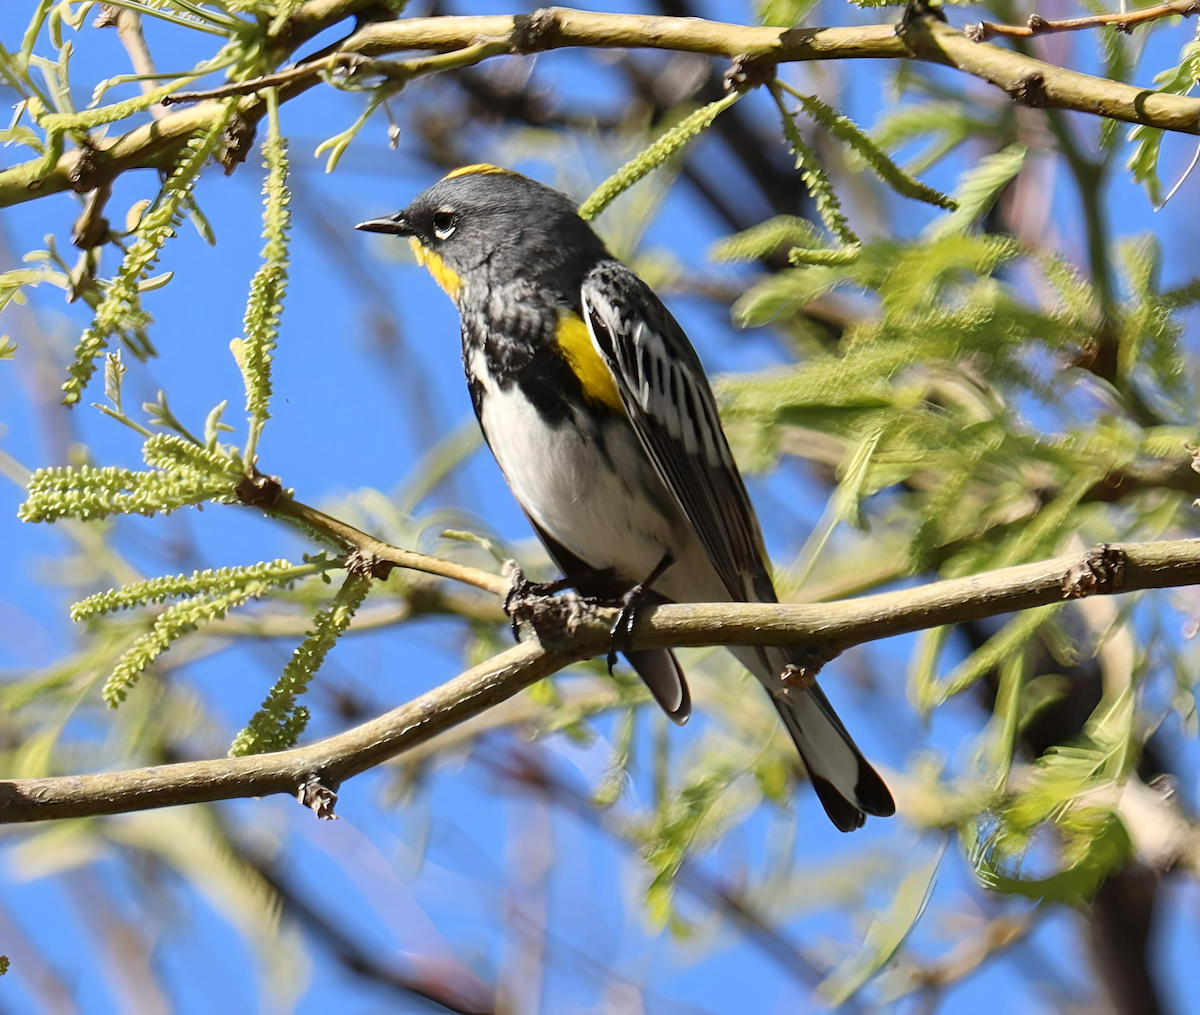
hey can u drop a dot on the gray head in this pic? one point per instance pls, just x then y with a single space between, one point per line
492 225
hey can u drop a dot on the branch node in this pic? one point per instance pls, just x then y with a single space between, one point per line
107 18
91 229
802 675
978 32
367 565
1037 23
798 678
260 491
1101 571
1029 89
533 33
551 617
318 797
236 143
82 176
747 72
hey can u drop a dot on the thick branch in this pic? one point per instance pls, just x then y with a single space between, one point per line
1025 79
571 632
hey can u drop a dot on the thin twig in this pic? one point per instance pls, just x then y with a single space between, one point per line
348 537
399 72
575 633
129 30
1121 21
284 77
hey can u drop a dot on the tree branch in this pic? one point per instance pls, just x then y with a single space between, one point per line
1121 21
350 538
569 630
469 40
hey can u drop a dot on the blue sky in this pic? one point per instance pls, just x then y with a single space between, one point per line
349 416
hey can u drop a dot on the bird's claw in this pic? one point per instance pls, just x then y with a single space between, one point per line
621 634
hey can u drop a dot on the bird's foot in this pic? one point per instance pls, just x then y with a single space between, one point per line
621 634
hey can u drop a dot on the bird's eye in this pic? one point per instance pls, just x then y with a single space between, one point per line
444 224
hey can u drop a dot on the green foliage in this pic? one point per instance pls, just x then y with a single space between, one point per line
275 574
1177 80
86 492
663 149
850 134
820 188
1072 790
264 306
978 189
613 785
697 812
783 13
766 238
884 936
279 723
1003 649
337 145
119 311
946 123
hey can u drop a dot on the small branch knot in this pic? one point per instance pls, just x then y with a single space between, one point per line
318 797
84 171
977 32
1037 23
107 18
1029 89
797 678
1101 571
367 565
537 606
746 72
260 491
236 143
533 33
802 675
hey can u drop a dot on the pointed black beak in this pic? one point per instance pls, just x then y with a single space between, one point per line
396 224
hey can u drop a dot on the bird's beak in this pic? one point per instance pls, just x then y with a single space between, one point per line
396 224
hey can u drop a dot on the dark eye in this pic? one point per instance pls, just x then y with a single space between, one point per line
444 224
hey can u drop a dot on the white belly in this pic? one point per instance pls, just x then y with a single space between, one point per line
601 514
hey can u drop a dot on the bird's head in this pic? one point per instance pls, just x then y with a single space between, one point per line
485 219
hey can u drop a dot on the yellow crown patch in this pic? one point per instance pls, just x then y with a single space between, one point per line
480 168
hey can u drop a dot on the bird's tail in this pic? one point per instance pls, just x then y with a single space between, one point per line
847 786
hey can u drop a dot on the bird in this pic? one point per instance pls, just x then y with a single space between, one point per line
600 416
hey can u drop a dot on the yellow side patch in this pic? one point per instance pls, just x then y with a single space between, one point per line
432 262
478 167
586 363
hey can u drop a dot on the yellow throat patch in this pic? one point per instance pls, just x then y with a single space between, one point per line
432 262
585 362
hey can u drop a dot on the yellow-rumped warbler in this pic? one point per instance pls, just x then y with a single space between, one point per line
600 416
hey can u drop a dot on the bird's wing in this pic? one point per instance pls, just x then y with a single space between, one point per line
671 406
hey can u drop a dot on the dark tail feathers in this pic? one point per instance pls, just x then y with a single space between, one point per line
660 671
847 786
